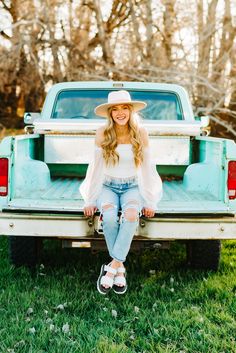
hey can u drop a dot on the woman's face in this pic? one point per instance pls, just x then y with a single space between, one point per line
120 114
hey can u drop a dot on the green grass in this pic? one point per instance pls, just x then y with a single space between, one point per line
170 309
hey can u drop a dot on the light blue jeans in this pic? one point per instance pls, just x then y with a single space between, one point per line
119 194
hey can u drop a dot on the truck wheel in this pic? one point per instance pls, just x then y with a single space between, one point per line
24 251
203 254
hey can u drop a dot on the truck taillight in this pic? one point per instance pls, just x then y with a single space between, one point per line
3 176
232 180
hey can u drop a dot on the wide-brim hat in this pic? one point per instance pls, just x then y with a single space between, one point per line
115 98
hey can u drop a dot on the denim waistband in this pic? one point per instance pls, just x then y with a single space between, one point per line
118 181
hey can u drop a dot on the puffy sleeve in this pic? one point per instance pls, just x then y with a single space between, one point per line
91 186
150 183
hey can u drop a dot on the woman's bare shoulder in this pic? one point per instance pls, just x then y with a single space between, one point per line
99 136
144 135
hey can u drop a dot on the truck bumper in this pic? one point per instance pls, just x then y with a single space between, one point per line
80 227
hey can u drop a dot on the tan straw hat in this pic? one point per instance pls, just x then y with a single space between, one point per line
115 98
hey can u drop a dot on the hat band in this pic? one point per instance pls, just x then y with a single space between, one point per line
113 101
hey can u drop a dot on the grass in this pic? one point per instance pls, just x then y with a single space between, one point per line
167 309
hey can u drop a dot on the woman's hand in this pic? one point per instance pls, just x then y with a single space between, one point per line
89 211
148 212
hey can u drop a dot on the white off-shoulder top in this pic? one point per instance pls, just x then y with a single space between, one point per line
149 181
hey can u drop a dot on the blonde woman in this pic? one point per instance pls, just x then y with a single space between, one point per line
120 177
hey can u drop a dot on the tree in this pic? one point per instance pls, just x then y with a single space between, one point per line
147 40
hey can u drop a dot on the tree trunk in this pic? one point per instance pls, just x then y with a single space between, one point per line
169 29
104 42
206 33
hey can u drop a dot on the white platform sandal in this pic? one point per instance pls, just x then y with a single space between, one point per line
120 280
105 280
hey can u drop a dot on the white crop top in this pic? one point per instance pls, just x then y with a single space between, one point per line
149 181
126 167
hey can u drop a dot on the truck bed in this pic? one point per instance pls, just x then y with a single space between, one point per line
64 196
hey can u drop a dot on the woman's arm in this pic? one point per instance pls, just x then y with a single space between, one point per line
149 180
92 184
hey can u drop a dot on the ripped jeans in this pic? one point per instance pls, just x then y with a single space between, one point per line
119 194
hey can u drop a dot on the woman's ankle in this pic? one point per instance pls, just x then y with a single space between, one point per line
115 264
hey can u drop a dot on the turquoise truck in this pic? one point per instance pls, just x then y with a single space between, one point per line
41 171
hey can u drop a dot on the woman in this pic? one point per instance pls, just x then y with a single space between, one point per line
120 177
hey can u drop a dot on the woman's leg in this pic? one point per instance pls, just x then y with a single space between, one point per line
108 204
131 205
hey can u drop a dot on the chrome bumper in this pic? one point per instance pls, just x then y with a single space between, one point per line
80 227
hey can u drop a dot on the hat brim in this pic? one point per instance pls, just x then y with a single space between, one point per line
102 109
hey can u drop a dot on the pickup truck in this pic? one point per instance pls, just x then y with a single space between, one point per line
41 171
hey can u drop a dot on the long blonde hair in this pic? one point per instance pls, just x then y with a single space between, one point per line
109 143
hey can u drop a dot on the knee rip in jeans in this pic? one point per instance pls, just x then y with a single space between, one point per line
131 213
108 207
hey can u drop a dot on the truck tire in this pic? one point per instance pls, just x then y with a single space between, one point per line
24 251
204 254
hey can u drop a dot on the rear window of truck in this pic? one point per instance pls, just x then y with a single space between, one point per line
80 104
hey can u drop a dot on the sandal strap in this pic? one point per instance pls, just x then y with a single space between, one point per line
121 270
106 280
109 269
120 280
